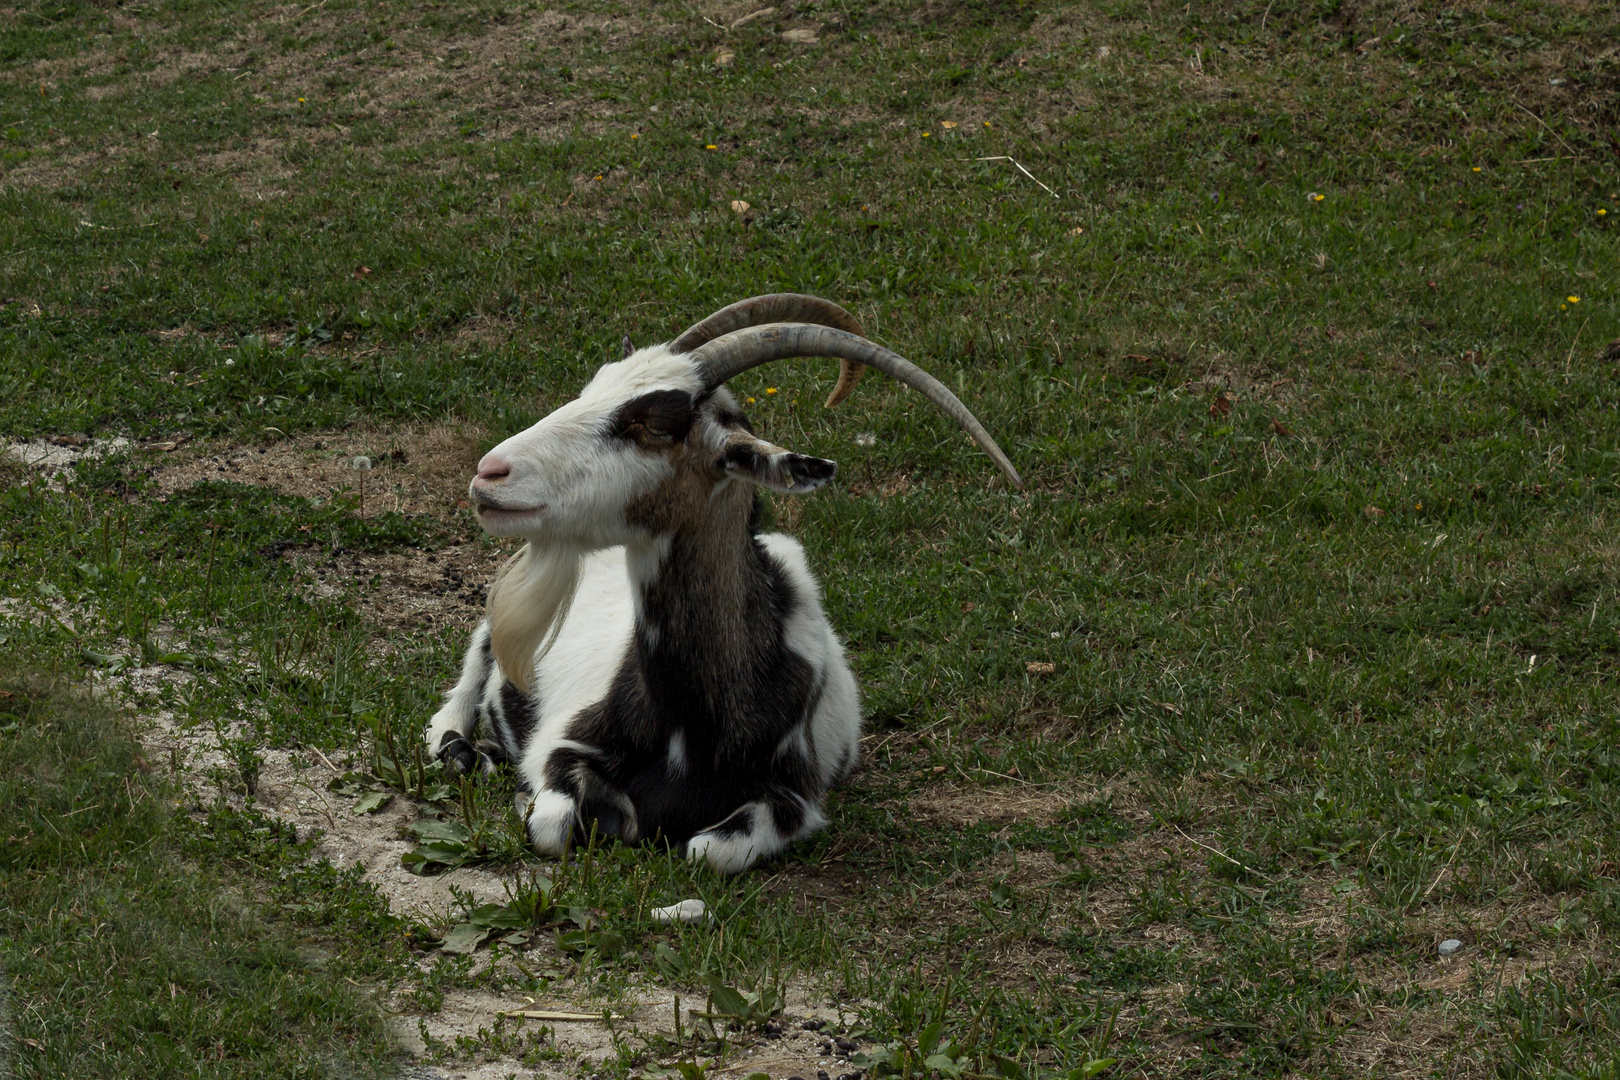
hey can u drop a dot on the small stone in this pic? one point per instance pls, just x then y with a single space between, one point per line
1450 947
361 462
800 37
687 911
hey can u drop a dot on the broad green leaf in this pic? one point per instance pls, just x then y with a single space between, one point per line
727 1001
1091 1068
371 802
464 938
434 829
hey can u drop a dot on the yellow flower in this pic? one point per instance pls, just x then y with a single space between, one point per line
926 134
1317 198
300 101
635 136
750 401
770 389
1601 211
1419 506
711 146
598 176
987 123
1573 299
1476 168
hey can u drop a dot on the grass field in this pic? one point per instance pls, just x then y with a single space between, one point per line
1297 657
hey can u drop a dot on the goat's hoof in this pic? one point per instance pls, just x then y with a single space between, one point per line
730 853
460 756
491 755
549 818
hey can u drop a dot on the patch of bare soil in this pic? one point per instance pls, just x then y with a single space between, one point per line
417 469
955 804
54 458
407 590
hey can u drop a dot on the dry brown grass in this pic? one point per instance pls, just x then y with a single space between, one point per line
415 469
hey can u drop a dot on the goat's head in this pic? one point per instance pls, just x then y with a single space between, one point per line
649 445
658 431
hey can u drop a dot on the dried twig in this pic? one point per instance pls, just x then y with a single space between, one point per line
1020 168
562 1017
1550 131
1222 854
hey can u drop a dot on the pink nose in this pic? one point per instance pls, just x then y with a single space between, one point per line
493 468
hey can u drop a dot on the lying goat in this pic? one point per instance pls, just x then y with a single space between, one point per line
653 666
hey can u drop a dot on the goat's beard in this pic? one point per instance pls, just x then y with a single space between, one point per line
527 605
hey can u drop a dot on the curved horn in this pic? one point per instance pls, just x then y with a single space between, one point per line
779 308
731 354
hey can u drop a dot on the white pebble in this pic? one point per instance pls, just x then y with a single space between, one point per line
687 911
1450 947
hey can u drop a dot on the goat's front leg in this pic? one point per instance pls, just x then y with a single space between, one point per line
756 830
450 733
573 802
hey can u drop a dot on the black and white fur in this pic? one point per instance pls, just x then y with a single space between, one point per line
693 692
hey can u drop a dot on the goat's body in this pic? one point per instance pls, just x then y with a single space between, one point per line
633 729
692 692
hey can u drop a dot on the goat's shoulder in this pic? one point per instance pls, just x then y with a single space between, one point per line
805 629
788 554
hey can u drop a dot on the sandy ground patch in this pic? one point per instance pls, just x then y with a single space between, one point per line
414 469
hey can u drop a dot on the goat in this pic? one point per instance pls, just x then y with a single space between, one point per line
655 667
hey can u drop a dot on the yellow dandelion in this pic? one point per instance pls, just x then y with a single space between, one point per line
926 134
750 401
1419 506
770 390
1602 212
300 101
635 136
1318 198
711 146
987 123
1476 168
598 176
1573 299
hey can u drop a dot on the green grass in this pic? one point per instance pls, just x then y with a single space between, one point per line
128 952
1320 528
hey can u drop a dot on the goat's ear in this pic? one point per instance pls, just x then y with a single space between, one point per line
757 461
627 347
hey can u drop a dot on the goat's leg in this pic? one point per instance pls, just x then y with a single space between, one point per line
756 830
450 733
574 803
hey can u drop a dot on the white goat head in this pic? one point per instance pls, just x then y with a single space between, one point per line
651 447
